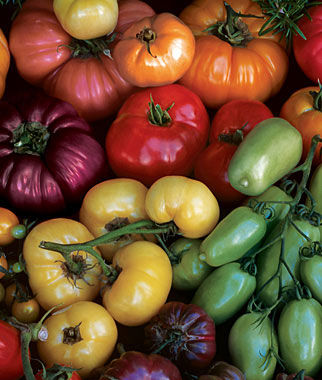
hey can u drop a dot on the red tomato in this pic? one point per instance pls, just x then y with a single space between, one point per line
148 145
307 51
58 372
232 122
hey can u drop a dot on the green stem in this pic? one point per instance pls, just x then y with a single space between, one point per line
158 116
25 342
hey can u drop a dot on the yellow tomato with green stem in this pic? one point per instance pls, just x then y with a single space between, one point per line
87 19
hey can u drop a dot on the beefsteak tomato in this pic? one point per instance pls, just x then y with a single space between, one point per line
48 156
4 61
158 131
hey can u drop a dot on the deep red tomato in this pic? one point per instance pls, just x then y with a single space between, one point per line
184 333
137 365
158 131
307 51
231 123
48 156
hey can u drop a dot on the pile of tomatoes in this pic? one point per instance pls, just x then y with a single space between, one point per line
160 190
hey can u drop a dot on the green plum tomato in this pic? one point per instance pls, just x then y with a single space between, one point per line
311 275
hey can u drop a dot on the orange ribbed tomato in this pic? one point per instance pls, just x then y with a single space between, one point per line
4 62
155 51
232 62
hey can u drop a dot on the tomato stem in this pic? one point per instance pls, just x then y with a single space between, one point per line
30 138
157 116
146 37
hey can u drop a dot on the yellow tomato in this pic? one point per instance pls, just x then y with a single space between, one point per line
83 335
111 203
87 19
7 220
188 202
142 285
51 278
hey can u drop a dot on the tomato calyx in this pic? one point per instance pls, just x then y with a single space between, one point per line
317 98
147 36
158 116
56 372
72 335
30 138
234 138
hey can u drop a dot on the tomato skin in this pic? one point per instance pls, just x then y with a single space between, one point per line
26 311
194 345
188 202
98 336
10 352
153 151
134 364
299 110
310 270
223 371
223 293
4 61
315 187
306 52
8 220
301 347
233 236
284 376
248 344
74 376
256 164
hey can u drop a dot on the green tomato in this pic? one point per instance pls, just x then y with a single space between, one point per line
250 345
300 336
268 260
311 275
19 231
224 292
233 236
316 190
190 271
267 153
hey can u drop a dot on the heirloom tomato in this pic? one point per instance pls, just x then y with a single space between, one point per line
111 204
311 275
81 336
231 60
142 285
284 376
73 70
223 371
300 335
8 220
87 19
251 343
257 164
183 333
26 311
155 50
188 202
4 61
303 109
48 155
166 127
307 51
137 365
54 279
230 125
3 264
315 188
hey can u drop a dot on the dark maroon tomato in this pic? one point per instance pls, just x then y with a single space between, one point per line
184 333
48 156
137 365
223 371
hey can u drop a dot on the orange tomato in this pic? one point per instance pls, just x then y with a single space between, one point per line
7 220
155 51
26 311
4 264
4 61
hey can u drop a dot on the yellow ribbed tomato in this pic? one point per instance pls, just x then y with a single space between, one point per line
188 202
53 279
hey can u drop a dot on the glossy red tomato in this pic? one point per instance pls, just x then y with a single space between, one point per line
158 131
231 123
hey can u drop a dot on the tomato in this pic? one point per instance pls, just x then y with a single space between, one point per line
159 142
256 164
284 376
2 292
223 293
303 110
110 204
230 124
10 352
10 293
54 279
268 260
230 63
142 285
48 155
3 264
26 311
301 347
188 202
310 273
81 75
250 344
307 51
315 187
4 61
137 365
82 336
223 371
188 271
55 371
155 51
183 333
8 220
87 19
233 236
